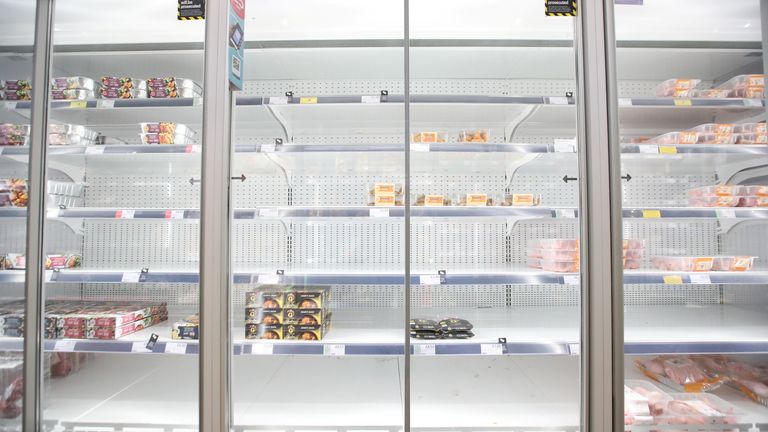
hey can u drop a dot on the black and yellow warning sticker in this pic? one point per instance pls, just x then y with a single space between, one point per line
191 10
563 8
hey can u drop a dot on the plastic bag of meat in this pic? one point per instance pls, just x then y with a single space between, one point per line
680 373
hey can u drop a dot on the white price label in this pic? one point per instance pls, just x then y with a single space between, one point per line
131 277
701 279
268 213
726 213
419 147
262 349
558 100
753 102
564 148
648 148
432 279
623 102
125 214
10 105
379 213
52 213
424 349
574 348
567 213
175 348
571 279
491 349
370 99
334 349
139 347
278 100
268 148
93 150
105 103
270 279
64 345
175 214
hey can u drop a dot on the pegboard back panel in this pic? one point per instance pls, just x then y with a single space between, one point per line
439 243
554 191
260 190
667 190
373 242
525 232
747 238
255 243
183 297
142 192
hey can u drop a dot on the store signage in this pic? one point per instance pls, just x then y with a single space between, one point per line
236 42
560 8
191 10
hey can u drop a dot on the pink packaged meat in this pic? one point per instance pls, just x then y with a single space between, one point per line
698 409
682 263
753 201
732 263
714 201
679 372
745 86
680 138
680 88
720 190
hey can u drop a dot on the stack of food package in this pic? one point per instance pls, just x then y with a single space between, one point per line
187 328
166 133
385 194
13 193
448 328
122 88
729 196
14 134
173 87
562 255
741 86
73 88
284 312
16 90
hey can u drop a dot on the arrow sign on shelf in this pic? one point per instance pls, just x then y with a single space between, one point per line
627 177
241 178
567 179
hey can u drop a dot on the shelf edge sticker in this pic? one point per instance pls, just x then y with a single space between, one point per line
673 280
125 214
10 105
175 348
430 279
683 102
753 103
262 349
191 10
426 349
131 277
174 214
379 213
268 279
420 147
267 148
64 345
491 349
105 103
571 279
140 347
308 100
370 99
725 213
93 150
236 55
702 279
334 349
623 102
648 148
78 104
277 100
651 214
667 149
560 8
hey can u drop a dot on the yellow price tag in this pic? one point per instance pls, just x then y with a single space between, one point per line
667 149
78 104
651 214
682 102
308 100
673 280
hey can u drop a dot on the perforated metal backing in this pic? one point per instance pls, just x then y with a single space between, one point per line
554 191
667 190
456 243
142 191
747 239
260 190
347 242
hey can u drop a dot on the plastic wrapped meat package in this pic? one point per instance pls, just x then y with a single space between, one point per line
677 87
698 409
680 373
745 86
562 255
729 196
165 138
474 136
13 193
680 138
429 137
750 379
74 83
643 401
168 128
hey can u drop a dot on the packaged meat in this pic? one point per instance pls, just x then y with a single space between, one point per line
71 94
710 94
17 95
720 190
680 373
680 88
682 263
745 86
173 83
554 254
732 263
122 93
429 137
164 127
751 139
631 264
164 93
14 198
636 408
476 200
18 85
753 201
634 254
13 140
715 128
755 190
634 244
74 82
751 128
698 409
568 266
680 138
62 261
474 136
15 261
126 83
164 138
14 129
68 139
432 201
656 397
562 244
72 129
714 201
522 200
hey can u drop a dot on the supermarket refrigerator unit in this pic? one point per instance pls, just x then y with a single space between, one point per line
319 134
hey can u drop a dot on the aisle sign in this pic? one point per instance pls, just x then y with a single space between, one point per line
191 10
560 7
236 42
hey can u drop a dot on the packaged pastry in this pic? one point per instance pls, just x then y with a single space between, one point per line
17 95
264 331
428 137
432 201
73 83
522 200
188 328
258 315
122 93
166 128
71 94
455 324
266 299
304 316
424 324
7 129
474 136
170 92
55 139
476 200
164 138
126 83
173 83
18 85
386 189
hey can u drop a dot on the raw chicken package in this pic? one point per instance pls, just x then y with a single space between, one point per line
680 373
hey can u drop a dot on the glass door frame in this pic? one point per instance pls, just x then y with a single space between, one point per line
600 202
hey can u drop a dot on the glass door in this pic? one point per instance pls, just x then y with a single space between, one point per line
318 249
16 44
494 196
691 89
121 234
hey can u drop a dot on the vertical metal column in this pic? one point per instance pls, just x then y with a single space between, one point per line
215 216
34 288
407 219
602 322
764 31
